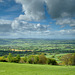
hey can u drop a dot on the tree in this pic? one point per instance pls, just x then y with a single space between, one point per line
18 58
36 59
31 59
25 59
10 57
73 59
51 61
67 59
42 59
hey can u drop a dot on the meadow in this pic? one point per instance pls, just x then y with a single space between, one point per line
32 69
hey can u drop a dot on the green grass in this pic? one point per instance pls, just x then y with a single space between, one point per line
31 69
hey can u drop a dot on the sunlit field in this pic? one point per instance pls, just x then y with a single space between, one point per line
32 69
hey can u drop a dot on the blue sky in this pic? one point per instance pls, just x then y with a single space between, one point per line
52 19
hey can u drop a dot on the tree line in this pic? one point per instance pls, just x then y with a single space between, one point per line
68 59
31 59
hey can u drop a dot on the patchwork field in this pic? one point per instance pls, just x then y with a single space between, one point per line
35 46
32 69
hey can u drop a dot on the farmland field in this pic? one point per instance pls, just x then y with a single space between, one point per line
35 46
31 69
24 47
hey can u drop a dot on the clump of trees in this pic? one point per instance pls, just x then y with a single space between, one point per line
39 59
42 59
3 59
31 59
68 59
16 59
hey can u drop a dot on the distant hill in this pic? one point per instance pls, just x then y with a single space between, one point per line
33 41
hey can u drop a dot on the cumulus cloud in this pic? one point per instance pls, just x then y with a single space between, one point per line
67 21
25 26
5 22
5 26
33 9
61 8
61 32
62 11
18 28
67 32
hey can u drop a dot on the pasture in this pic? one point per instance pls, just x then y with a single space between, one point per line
32 69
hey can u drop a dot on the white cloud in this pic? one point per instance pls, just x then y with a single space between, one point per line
25 26
67 21
60 10
5 22
5 26
33 9
67 32
15 24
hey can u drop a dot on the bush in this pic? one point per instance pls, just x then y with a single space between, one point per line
42 59
36 59
30 60
18 58
51 61
13 59
25 59
73 59
10 57
22 60
3 59
68 59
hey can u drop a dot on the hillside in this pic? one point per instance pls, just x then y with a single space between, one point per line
31 69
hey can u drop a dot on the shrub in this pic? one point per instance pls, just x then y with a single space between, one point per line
3 59
25 59
68 59
36 59
42 59
10 57
51 61
33 59
22 60
73 59
18 58
13 59
30 59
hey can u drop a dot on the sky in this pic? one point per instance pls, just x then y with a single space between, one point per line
52 19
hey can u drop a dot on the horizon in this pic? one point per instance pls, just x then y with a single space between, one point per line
40 38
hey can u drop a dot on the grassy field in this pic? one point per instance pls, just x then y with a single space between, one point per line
31 69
